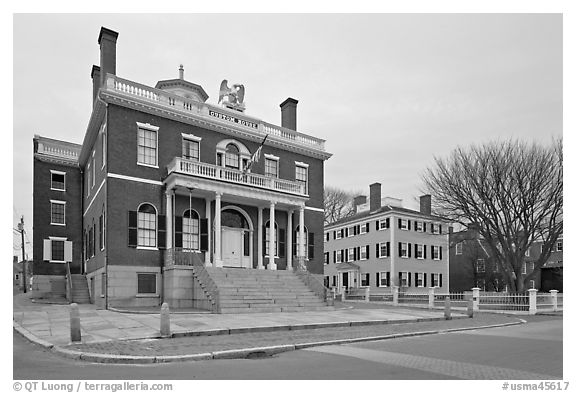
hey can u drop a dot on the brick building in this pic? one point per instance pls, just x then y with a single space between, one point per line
385 244
169 184
472 265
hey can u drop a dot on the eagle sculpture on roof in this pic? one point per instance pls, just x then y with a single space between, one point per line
235 94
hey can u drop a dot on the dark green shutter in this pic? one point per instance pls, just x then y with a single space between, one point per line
132 230
409 249
377 280
161 231
387 249
367 251
377 225
425 283
178 231
377 250
440 252
204 235
424 251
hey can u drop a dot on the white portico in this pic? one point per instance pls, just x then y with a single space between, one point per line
235 237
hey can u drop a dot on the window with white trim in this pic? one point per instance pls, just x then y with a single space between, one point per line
338 234
232 156
404 250
363 253
481 283
480 266
351 254
147 146
350 231
147 225
326 258
435 228
363 228
383 279
190 149
559 245
146 283
403 224
383 224
459 247
57 212
403 279
57 181
419 226
327 236
271 167
57 250
365 279
383 250
419 251
524 268
532 284
435 252
339 256
419 280
435 280
302 176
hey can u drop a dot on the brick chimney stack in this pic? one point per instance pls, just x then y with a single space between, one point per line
95 74
288 108
426 204
375 196
107 41
358 200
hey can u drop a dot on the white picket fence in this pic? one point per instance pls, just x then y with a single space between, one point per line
529 302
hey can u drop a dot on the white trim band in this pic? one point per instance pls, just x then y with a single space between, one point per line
136 179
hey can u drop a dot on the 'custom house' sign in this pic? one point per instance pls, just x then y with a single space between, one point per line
232 119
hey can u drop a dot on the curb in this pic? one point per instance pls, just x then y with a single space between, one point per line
234 353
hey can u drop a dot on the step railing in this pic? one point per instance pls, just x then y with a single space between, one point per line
179 256
316 285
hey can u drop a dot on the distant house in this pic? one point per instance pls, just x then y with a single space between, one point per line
385 245
473 265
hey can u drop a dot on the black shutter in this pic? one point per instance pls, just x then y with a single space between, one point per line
177 231
367 227
327 258
132 230
388 222
342 256
440 228
310 245
440 279
408 224
377 225
281 243
334 254
368 279
416 279
440 252
387 279
377 280
334 234
424 227
264 240
399 279
399 249
346 232
295 242
342 232
377 250
424 251
367 251
425 283
355 230
409 249
100 231
409 279
399 223
387 249
161 231
345 251
204 235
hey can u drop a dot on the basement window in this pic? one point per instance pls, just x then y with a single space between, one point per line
147 283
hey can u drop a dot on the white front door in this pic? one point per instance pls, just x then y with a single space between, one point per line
231 247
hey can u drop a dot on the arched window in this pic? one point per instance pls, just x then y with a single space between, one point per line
147 225
267 247
232 156
191 230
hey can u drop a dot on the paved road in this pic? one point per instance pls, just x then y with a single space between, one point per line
531 351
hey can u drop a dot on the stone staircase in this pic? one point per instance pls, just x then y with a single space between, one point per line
252 290
80 292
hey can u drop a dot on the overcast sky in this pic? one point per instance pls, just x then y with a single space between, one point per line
387 91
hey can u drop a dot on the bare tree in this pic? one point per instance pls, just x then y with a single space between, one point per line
511 191
338 204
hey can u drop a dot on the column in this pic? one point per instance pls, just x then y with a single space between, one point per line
532 294
272 232
168 219
218 232
289 242
301 251
476 298
393 252
260 246
208 253
431 297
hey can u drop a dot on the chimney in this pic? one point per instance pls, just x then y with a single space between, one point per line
375 196
288 108
358 200
95 82
107 41
426 204
181 72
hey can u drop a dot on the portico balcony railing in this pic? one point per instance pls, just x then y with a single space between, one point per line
214 172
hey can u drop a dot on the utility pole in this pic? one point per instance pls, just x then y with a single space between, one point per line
21 229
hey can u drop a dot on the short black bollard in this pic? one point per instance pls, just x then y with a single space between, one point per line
165 320
471 308
75 335
447 312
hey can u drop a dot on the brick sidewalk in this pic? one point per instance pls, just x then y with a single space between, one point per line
206 344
